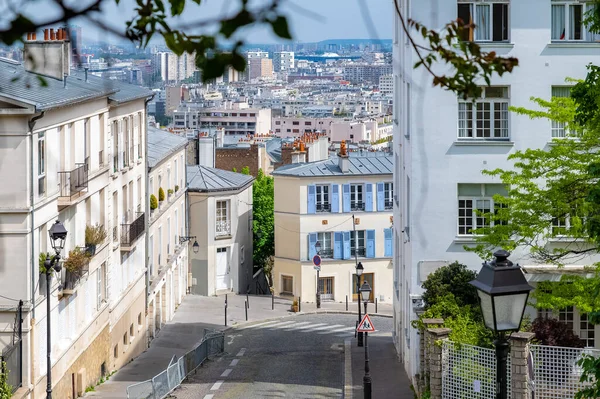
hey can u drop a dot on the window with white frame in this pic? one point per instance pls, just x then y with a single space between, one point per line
474 201
223 224
356 197
487 117
388 195
41 163
357 243
287 285
587 331
567 21
561 225
325 239
490 18
322 198
559 128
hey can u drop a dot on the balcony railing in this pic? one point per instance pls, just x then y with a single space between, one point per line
359 252
326 253
131 232
72 278
323 207
357 206
74 181
223 228
389 204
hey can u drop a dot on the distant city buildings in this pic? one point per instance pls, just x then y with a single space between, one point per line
283 61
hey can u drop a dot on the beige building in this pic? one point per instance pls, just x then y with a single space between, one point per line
220 214
175 95
260 68
167 231
72 151
316 202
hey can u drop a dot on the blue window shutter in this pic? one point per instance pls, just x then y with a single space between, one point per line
346 197
335 198
370 243
337 245
380 197
369 198
347 252
312 199
388 242
312 241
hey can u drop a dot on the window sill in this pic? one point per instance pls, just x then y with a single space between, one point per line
573 44
566 239
465 239
223 237
491 143
492 45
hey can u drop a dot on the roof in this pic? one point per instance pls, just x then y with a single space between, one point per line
204 179
162 144
273 148
357 166
18 84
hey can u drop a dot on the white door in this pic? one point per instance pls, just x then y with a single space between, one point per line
222 269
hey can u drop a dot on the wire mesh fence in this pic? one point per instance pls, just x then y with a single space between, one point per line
164 383
555 370
469 372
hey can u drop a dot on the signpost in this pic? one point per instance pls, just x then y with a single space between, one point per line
365 325
317 262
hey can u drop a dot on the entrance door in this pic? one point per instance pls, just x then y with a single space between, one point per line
222 263
326 288
368 277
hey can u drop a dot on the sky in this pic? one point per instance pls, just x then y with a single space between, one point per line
310 20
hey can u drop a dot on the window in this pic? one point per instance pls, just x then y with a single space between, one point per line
101 285
357 243
326 245
295 123
567 21
561 226
278 122
487 118
567 316
586 331
388 195
295 131
131 332
140 319
323 204
474 200
490 19
101 140
307 123
42 163
287 285
559 128
223 225
288 130
356 197
277 130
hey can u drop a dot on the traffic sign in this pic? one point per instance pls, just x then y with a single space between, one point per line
317 268
365 325
317 260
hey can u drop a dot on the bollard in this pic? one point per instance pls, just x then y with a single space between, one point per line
299 304
272 300
375 305
247 300
346 303
225 313
246 306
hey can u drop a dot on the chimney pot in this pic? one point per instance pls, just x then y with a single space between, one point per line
46 35
34 36
52 35
28 36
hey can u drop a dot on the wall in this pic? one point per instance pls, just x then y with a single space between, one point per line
238 158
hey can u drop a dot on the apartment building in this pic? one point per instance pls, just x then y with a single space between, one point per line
174 68
294 126
236 118
439 160
366 73
386 84
260 68
72 150
251 55
283 61
317 202
168 240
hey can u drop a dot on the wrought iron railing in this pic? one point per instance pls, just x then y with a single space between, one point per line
326 253
223 228
115 163
74 181
389 204
323 207
358 252
131 232
10 357
357 206
72 278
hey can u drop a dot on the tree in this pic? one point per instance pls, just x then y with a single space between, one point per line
263 207
5 388
452 279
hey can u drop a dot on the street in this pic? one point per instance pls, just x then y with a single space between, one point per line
294 357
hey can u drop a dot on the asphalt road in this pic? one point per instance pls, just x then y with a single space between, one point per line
295 357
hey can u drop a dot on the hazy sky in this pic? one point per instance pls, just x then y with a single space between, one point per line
310 20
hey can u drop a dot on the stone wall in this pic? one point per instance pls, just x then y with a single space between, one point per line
238 158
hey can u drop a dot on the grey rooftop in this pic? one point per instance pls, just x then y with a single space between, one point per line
357 166
162 144
204 179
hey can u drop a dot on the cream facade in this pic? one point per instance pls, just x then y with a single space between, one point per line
313 206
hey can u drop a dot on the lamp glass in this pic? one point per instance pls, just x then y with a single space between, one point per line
509 309
58 236
359 269
365 291
487 308
196 247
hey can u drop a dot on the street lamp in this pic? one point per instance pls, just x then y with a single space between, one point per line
365 293
503 292
195 246
359 272
318 249
58 236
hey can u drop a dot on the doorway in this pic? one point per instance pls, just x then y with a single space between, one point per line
368 277
326 288
222 263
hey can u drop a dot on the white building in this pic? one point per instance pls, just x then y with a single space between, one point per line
283 61
386 84
173 68
439 160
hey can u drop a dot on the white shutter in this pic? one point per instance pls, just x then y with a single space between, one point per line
41 346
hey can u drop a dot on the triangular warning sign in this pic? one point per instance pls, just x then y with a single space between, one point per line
365 325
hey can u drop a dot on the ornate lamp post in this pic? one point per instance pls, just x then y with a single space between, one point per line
503 292
365 293
58 236
359 272
318 249
195 246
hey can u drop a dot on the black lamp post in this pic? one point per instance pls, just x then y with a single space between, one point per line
318 249
365 293
359 272
195 246
503 293
58 235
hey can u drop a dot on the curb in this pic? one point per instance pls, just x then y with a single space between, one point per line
251 323
348 388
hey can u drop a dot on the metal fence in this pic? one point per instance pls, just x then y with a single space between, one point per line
555 370
469 372
164 383
12 357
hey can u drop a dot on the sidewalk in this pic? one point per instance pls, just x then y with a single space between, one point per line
186 330
389 380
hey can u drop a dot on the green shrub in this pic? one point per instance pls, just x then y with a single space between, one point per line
176 188
76 260
94 235
161 194
153 202
452 279
170 191
5 388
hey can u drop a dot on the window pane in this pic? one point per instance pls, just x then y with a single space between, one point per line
465 216
496 92
558 91
464 13
501 120
575 12
483 120
558 22
465 119
483 206
500 22
482 22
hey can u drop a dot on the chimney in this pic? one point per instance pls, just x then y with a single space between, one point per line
300 155
52 35
50 57
34 36
46 35
86 74
343 161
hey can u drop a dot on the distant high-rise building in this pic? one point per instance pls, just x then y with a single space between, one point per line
250 55
260 68
173 68
283 61
76 39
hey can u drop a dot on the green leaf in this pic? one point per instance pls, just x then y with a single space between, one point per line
281 28
177 7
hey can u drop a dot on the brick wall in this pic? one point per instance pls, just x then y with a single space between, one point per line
238 158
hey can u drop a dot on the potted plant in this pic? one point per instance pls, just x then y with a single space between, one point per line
176 188
170 192
153 202
76 261
94 235
161 194
295 306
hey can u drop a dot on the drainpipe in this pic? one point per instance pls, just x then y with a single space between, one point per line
147 199
31 124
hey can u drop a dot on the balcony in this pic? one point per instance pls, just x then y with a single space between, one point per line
389 205
323 207
72 279
131 232
360 252
223 229
326 253
72 184
357 206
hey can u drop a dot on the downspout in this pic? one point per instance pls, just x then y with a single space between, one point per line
147 200
31 124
